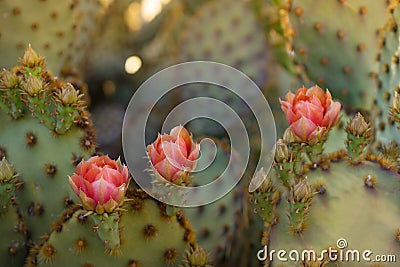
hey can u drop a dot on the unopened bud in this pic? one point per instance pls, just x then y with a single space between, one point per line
31 59
197 257
289 136
319 135
33 85
69 95
302 190
281 151
357 126
266 185
396 101
7 172
9 79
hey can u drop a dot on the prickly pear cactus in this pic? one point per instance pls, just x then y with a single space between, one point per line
345 206
148 238
45 131
334 52
388 82
216 236
63 30
346 202
13 248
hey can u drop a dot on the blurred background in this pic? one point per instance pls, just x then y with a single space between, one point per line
109 47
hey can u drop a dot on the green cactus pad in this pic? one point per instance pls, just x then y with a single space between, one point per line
13 247
232 36
350 208
62 30
335 44
50 135
148 238
388 80
43 166
216 235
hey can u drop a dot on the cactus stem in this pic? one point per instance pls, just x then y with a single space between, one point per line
107 229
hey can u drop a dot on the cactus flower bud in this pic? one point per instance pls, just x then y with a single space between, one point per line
7 172
173 156
31 59
311 113
9 79
289 137
33 85
281 152
69 95
302 191
396 101
100 183
357 126
395 108
197 257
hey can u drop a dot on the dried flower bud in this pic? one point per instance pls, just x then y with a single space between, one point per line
33 85
357 126
289 137
396 101
7 172
302 190
395 108
31 59
197 257
281 151
9 79
266 185
69 95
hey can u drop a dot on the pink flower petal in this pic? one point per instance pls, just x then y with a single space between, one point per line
300 96
289 97
303 128
174 154
75 182
125 175
118 194
102 190
166 170
112 176
328 101
310 111
93 173
316 91
194 154
331 115
291 116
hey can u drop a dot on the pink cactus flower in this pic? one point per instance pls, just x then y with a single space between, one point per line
100 183
173 156
310 112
